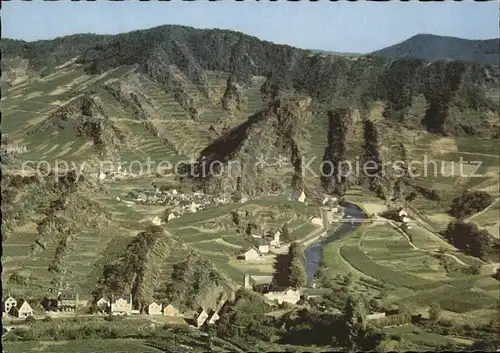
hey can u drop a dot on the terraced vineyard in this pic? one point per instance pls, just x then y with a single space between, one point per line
378 256
222 244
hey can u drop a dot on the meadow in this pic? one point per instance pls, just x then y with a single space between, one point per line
380 258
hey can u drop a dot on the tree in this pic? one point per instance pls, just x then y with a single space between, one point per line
434 312
347 281
298 276
468 203
251 228
406 310
475 269
411 197
285 233
484 345
353 324
297 265
468 238
388 345
373 304
236 217
211 333
384 298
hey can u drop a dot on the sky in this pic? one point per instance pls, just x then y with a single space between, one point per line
334 26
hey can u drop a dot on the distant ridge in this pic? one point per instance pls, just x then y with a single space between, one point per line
353 55
430 47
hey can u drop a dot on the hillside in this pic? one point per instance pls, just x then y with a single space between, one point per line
211 98
431 47
173 58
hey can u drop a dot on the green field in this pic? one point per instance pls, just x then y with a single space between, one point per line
378 255
88 345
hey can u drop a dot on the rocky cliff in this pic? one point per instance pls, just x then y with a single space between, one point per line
246 158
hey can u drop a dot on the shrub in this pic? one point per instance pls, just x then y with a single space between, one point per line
468 238
30 319
468 203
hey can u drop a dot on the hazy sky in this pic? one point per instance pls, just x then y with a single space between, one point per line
346 27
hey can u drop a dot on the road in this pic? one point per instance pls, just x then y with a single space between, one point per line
483 211
395 226
420 220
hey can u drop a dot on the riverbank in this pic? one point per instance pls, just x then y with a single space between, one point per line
316 243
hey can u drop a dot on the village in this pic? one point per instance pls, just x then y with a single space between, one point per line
266 246
68 302
177 203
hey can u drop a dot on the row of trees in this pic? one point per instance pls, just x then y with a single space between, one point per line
298 275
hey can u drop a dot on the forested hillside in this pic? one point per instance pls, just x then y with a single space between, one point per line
431 47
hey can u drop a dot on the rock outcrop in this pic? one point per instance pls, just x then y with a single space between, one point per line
251 158
86 116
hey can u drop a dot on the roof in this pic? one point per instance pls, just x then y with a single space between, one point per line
261 279
67 296
20 303
155 302
123 297
316 291
212 312
200 310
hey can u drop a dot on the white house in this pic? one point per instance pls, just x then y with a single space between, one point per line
102 176
8 304
375 316
289 296
252 254
264 249
402 213
170 310
171 216
193 207
213 318
201 316
103 303
22 309
406 220
316 221
302 197
156 221
121 305
155 308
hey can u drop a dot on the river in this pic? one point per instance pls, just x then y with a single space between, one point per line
313 252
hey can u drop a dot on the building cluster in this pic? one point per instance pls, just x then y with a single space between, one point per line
177 203
122 305
265 244
263 285
205 317
329 210
19 308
